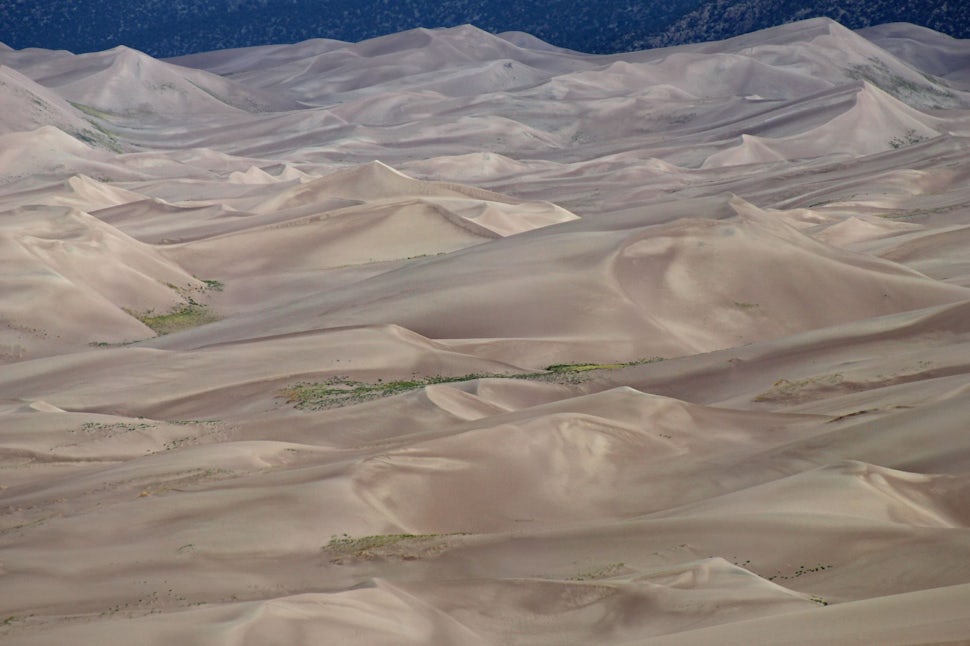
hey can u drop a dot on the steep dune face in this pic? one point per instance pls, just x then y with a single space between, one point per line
448 337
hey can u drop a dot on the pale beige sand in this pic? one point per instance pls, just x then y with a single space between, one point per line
374 264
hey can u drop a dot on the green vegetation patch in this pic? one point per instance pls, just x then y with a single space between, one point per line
878 73
114 427
189 314
183 317
343 391
213 285
103 138
585 367
90 110
402 546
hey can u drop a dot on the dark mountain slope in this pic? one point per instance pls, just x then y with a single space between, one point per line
172 28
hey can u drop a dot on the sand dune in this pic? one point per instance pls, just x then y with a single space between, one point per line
924 49
593 284
190 380
367 214
900 619
127 82
805 365
258 58
851 489
936 254
587 457
415 52
379 613
93 195
72 260
459 338
889 123
29 106
40 157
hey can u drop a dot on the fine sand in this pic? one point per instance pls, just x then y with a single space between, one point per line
448 337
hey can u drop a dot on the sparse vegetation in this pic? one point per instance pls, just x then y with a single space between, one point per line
839 418
907 139
584 367
802 570
213 285
356 545
193 422
785 389
342 391
604 572
183 317
87 137
407 547
90 111
189 314
92 427
103 137
185 478
878 73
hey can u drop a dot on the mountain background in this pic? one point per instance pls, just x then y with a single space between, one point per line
165 28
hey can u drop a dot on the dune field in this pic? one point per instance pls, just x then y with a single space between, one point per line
454 338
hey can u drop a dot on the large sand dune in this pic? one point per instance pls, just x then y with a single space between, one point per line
449 337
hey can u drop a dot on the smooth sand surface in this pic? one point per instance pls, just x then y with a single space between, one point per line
449 337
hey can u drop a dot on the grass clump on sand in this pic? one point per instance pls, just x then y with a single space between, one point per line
407 547
340 391
213 285
182 317
585 367
188 314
